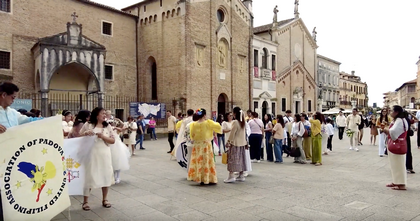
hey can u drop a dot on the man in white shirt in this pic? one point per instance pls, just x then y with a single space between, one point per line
288 122
352 123
340 120
171 129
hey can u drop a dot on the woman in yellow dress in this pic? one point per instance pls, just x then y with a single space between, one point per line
202 167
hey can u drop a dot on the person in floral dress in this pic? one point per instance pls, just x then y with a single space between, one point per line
202 168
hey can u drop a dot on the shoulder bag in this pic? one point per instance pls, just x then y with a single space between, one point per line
398 146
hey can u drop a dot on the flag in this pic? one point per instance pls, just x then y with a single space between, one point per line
76 153
32 171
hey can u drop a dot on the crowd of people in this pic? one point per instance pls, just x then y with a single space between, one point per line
243 136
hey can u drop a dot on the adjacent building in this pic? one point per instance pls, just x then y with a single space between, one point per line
328 82
390 99
264 76
296 63
353 92
406 94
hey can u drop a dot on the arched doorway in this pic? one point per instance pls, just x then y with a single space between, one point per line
151 81
221 104
264 109
72 87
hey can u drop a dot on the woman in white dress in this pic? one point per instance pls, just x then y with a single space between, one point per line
130 132
67 123
99 171
324 135
397 130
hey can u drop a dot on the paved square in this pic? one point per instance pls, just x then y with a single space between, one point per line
349 186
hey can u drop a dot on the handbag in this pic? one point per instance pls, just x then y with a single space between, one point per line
295 152
224 158
399 146
271 141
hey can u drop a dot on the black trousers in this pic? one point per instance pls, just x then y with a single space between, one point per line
289 144
329 143
255 145
1 210
171 140
418 134
408 156
340 132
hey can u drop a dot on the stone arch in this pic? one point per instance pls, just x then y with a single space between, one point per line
168 13
173 12
264 109
152 71
155 18
82 67
265 58
146 20
163 15
178 11
222 102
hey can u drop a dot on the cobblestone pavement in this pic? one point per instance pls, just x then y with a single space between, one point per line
349 186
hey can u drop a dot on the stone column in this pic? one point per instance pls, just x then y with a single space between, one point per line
44 103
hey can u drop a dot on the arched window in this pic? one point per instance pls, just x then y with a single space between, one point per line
154 82
265 59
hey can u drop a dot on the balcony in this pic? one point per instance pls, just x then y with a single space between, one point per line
345 103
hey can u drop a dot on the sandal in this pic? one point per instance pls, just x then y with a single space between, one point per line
85 206
106 204
391 185
399 187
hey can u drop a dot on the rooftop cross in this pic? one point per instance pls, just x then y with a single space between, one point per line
75 16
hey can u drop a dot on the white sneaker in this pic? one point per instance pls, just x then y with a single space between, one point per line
230 180
245 174
253 161
258 161
242 179
351 148
117 181
357 149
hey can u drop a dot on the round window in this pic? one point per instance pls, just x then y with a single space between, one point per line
221 15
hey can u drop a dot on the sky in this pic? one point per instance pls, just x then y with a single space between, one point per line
378 39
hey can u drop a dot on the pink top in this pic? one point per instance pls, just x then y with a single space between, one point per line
152 124
256 126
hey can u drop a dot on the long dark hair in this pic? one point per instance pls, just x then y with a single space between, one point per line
219 119
382 116
280 120
238 116
400 111
227 116
94 117
269 119
81 117
297 116
320 117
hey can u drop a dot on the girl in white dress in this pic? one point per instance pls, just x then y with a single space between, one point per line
130 132
99 171
67 123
